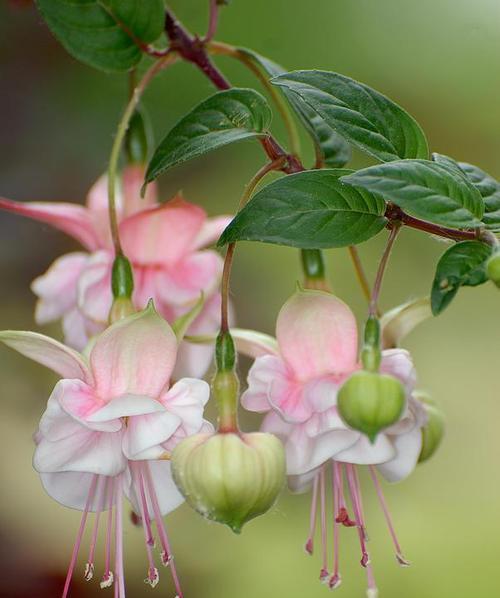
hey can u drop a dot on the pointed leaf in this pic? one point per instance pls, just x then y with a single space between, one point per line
360 114
424 189
104 34
463 264
224 118
311 210
489 188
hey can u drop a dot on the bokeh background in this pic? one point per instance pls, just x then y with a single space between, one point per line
438 58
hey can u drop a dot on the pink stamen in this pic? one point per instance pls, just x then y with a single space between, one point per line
167 556
78 541
153 578
108 577
100 491
342 513
309 546
383 503
323 576
335 579
119 541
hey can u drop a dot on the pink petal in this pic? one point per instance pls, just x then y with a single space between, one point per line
94 287
56 289
192 275
134 356
97 204
75 331
398 363
211 231
408 447
187 399
132 181
145 434
128 405
317 335
48 352
162 235
71 489
71 219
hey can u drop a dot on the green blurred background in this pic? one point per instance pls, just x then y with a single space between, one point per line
438 58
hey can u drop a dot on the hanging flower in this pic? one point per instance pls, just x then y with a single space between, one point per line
165 244
296 385
110 424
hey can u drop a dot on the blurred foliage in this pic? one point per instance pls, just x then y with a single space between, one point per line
440 60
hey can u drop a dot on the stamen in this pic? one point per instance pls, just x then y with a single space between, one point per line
342 513
78 541
153 577
309 546
399 553
108 577
323 576
335 579
100 491
166 556
120 576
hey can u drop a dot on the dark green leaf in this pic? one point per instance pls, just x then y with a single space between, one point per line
463 264
335 150
104 33
489 188
360 114
424 189
448 162
224 118
310 210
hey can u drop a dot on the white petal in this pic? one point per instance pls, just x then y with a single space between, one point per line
298 484
363 452
126 406
187 399
71 489
408 447
145 433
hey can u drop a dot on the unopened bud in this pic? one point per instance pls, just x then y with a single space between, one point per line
433 431
370 402
493 268
230 478
138 138
122 279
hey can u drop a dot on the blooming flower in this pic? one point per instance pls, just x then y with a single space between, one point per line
296 385
165 244
109 422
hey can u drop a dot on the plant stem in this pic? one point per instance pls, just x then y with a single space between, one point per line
118 141
213 21
373 309
228 261
360 273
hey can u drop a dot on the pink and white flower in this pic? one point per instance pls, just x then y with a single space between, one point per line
296 385
166 244
109 427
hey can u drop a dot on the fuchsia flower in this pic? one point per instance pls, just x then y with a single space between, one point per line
165 244
108 423
296 384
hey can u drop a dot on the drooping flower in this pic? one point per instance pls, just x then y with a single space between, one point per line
165 244
296 385
110 423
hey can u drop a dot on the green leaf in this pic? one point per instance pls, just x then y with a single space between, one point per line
104 33
335 150
448 162
360 114
424 189
223 118
463 264
489 188
310 210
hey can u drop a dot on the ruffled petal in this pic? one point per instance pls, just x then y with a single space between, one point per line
254 344
408 447
299 484
363 452
72 219
211 231
162 235
317 335
56 289
398 363
48 352
75 329
94 287
71 489
134 356
145 433
186 400
128 405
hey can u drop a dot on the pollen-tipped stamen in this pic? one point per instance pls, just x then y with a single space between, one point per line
120 575
335 580
383 503
101 493
323 575
78 541
108 576
342 514
309 545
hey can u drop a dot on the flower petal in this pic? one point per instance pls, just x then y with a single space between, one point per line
134 356
71 489
398 363
254 344
94 287
363 452
128 405
162 235
408 447
48 352
56 289
187 399
298 484
75 329
317 334
145 433
71 219
132 181
211 231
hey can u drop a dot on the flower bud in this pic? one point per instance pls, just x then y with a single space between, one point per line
138 138
433 431
370 402
493 268
230 478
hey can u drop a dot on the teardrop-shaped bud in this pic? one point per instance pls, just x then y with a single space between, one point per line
493 268
370 402
230 478
433 431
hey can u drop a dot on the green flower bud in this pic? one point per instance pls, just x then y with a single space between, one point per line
139 138
230 478
433 431
122 278
370 402
493 268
